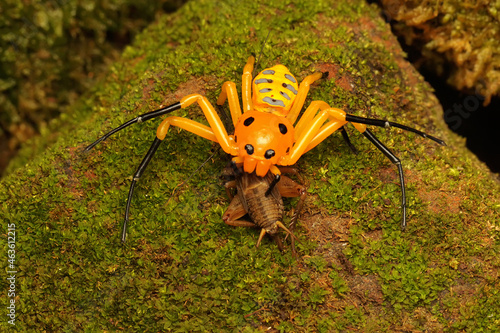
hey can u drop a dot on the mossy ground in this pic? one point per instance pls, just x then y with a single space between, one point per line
182 268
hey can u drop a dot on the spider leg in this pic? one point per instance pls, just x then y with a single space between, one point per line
325 131
313 129
343 131
369 135
307 117
384 123
310 135
139 119
246 84
215 132
137 175
328 120
187 124
230 93
302 94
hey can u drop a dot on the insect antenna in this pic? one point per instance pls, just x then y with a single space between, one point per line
292 236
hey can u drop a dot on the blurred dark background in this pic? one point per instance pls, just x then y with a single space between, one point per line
53 51
455 46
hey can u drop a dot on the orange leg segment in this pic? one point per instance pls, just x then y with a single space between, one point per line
308 116
301 96
337 119
246 84
230 93
187 124
314 131
216 126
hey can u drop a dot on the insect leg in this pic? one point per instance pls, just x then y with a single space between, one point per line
369 135
279 243
139 119
236 210
289 188
288 232
233 214
228 186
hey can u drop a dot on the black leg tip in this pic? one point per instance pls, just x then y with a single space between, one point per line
124 237
403 225
88 148
237 171
273 184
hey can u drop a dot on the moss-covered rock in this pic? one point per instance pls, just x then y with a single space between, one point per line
458 39
182 268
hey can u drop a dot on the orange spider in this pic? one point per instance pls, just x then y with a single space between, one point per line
267 133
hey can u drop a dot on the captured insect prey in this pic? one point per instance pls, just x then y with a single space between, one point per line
271 133
262 203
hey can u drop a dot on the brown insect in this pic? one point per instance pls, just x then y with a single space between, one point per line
264 208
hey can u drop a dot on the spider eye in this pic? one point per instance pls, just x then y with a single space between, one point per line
248 121
283 129
269 153
249 149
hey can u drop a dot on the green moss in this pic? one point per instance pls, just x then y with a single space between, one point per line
182 268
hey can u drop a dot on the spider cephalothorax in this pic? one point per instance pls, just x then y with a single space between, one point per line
263 140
